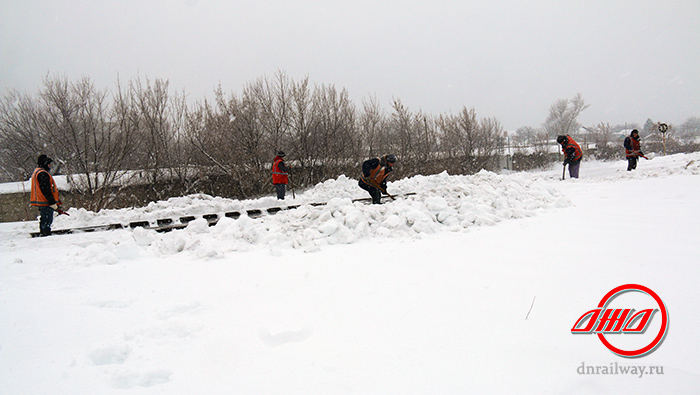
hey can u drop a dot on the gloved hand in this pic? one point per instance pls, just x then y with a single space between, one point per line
54 207
641 153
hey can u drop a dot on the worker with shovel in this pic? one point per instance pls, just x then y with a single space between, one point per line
633 150
572 152
44 194
374 174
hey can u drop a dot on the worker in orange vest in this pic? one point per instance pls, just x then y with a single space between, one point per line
573 154
374 174
44 194
280 174
633 149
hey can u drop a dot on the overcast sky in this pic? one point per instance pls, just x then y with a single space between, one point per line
509 59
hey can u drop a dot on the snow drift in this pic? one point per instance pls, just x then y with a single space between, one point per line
425 294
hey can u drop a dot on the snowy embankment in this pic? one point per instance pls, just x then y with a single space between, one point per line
469 286
441 203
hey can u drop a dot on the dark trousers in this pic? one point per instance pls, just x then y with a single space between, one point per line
45 220
573 168
280 188
632 163
373 191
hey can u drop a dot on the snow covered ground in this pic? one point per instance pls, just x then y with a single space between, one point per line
426 294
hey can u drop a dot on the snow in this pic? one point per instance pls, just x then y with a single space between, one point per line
25 186
425 294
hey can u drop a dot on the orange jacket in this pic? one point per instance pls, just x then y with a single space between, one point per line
278 175
571 144
37 197
377 174
634 144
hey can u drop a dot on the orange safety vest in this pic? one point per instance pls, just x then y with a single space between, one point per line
278 176
577 149
635 147
37 198
376 175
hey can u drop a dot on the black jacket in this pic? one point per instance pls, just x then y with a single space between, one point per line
283 167
570 153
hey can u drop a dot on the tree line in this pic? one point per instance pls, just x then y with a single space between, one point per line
102 138
605 139
224 146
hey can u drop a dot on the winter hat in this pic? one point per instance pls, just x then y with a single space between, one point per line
281 154
562 139
43 160
390 158
634 131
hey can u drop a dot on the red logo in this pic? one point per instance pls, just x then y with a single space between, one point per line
604 321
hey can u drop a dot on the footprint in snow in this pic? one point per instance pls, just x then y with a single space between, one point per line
150 379
281 338
115 355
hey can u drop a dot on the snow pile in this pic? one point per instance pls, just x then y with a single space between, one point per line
425 205
441 203
418 305
25 186
659 166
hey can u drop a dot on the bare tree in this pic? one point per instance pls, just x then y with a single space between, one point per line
153 103
373 129
227 142
459 136
181 158
235 136
333 129
275 98
563 114
606 146
525 137
689 134
401 124
470 145
690 129
218 134
21 139
490 138
302 141
87 138
427 145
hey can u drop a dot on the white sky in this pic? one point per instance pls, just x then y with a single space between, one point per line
509 59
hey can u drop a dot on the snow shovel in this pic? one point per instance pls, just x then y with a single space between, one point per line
563 173
61 212
374 184
291 185
387 193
